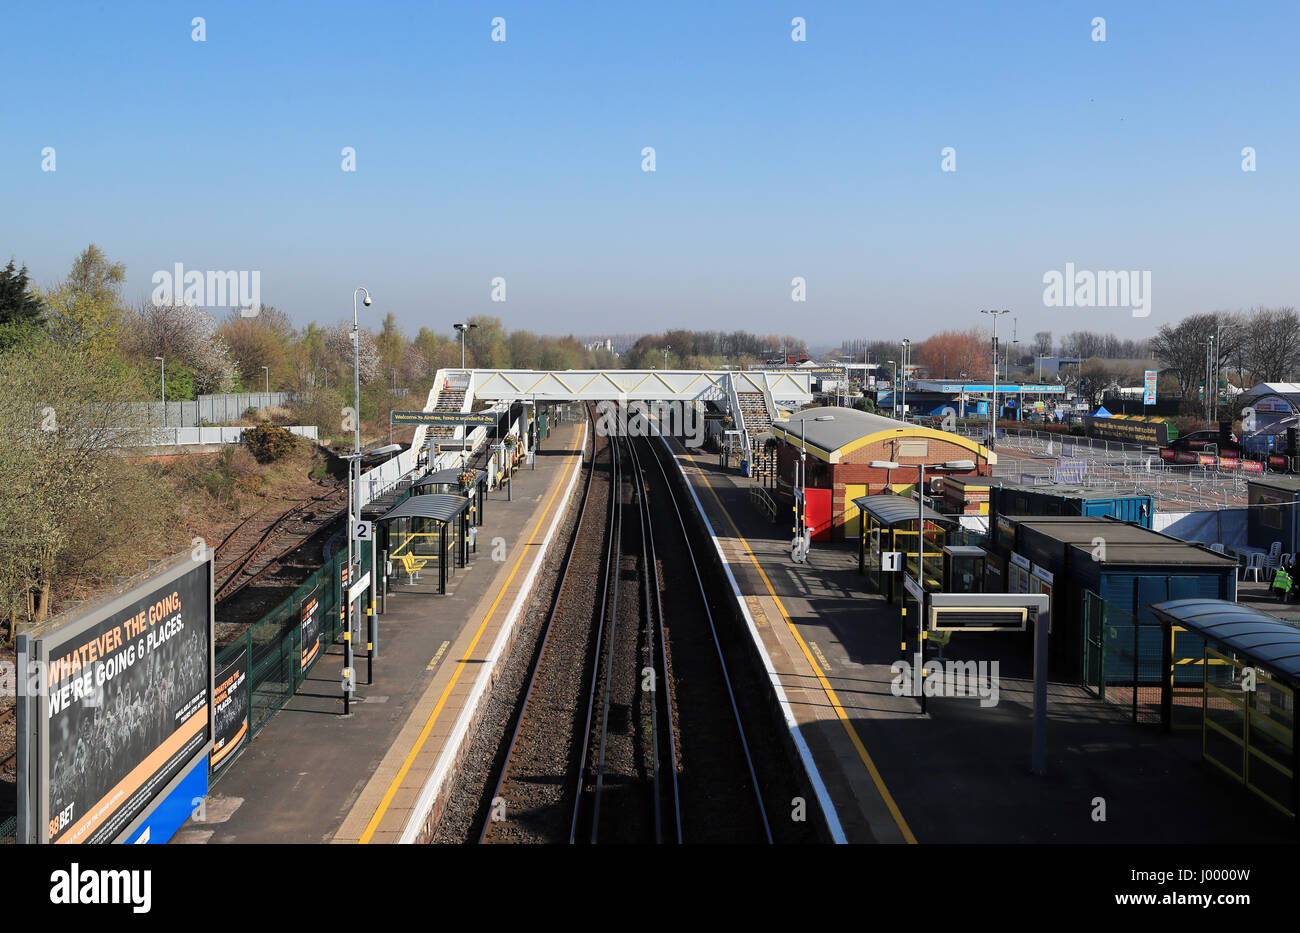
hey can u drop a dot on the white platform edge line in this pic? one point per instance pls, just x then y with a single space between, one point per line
433 785
805 753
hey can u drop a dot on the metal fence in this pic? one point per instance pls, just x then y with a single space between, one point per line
214 409
1117 469
1123 658
171 437
275 666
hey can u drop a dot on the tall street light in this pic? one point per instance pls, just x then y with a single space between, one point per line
164 388
268 382
919 669
993 414
893 395
801 528
907 355
667 347
463 327
354 464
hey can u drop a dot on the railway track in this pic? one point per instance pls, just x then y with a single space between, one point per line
628 660
253 547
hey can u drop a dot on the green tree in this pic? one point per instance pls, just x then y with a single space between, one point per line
21 310
69 499
84 311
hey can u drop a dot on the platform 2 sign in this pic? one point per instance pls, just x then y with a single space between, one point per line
230 709
309 624
443 418
122 709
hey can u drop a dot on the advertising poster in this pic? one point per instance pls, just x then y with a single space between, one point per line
230 709
127 706
309 616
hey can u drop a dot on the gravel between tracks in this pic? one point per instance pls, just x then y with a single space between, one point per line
536 819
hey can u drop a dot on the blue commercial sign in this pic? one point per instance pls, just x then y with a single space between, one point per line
1008 389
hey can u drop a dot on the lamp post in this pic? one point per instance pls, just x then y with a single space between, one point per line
354 496
667 347
164 388
268 383
893 395
993 414
907 353
801 527
463 327
919 669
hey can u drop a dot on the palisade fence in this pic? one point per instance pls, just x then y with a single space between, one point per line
271 650
214 409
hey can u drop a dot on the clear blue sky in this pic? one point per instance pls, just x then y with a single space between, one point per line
774 158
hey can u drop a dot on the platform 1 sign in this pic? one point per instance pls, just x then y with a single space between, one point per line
118 711
443 418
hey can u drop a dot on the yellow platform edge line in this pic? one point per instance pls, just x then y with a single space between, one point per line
396 783
834 699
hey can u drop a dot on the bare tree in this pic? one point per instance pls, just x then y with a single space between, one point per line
338 344
1270 345
177 331
1183 347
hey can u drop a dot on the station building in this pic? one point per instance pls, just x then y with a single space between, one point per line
839 457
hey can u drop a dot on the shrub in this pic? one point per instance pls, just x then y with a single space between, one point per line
250 413
269 443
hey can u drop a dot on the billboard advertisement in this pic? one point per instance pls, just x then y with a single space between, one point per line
309 619
1149 389
230 709
1131 431
119 705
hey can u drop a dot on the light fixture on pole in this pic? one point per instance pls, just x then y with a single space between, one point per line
354 495
667 347
993 413
164 388
907 355
268 382
463 327
893 395
919 669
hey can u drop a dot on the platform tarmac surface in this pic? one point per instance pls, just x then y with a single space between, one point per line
313 775
960 772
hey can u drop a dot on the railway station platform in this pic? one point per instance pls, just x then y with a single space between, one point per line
314 775
960 772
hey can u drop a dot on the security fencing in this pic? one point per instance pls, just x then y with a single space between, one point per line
277 653
1123 660
214 409
176 437
1111 468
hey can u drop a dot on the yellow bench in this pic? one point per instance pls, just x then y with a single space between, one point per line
413 564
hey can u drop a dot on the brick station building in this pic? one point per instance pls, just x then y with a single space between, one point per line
838 454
